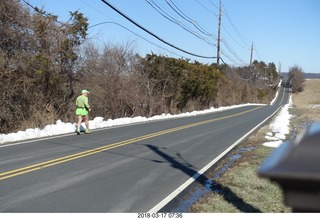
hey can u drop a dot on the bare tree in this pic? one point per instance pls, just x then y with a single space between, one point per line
296 76
109 74
37 56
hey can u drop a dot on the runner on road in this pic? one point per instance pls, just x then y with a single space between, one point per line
82 111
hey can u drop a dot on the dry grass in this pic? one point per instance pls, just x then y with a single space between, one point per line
306 105
241 190
310 95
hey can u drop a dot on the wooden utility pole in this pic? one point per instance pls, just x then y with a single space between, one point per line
251 56
279 73
218 44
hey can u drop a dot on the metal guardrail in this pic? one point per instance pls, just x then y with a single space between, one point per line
295 167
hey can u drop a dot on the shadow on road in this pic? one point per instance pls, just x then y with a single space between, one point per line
189 170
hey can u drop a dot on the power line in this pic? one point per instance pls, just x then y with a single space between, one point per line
243 39
183 15
224 41
170 18
111 22
243 79
233 38
257 53
152 34
36 9
173 20
206 8
214 5
187 18
233 53
228 57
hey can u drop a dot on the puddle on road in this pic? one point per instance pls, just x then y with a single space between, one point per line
209 184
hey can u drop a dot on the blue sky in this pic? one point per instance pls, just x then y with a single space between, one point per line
282 31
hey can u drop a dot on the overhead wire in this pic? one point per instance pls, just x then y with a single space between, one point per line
233 39
170 18
173 20
241 78
111 22
228 57
257 53
223 41
243 39
240 62
183 15
36 9
228 47
152 34
233 52
214 4
206 8
106 22
175 8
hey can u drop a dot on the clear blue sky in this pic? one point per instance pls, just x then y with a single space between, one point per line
282 31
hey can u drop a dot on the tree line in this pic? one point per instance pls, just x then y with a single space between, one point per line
44 64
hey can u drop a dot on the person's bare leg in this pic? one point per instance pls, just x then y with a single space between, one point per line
79 124
86 122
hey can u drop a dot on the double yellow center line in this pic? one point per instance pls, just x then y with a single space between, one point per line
49 163
283 94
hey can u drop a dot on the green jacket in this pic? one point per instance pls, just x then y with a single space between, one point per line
82 102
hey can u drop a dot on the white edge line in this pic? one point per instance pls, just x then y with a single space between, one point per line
205 168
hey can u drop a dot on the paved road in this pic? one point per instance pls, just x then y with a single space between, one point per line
123 169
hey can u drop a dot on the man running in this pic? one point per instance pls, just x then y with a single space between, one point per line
83 109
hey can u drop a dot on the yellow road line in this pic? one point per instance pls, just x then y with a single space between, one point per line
49 163
283 93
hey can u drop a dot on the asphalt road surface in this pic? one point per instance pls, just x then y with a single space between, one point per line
134 168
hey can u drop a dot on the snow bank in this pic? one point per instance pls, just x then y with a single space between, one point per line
98 122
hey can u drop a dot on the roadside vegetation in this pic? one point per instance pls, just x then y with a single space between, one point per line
240 189
45 63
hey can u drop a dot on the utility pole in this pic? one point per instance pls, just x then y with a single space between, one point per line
279 73
251 56
218 44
